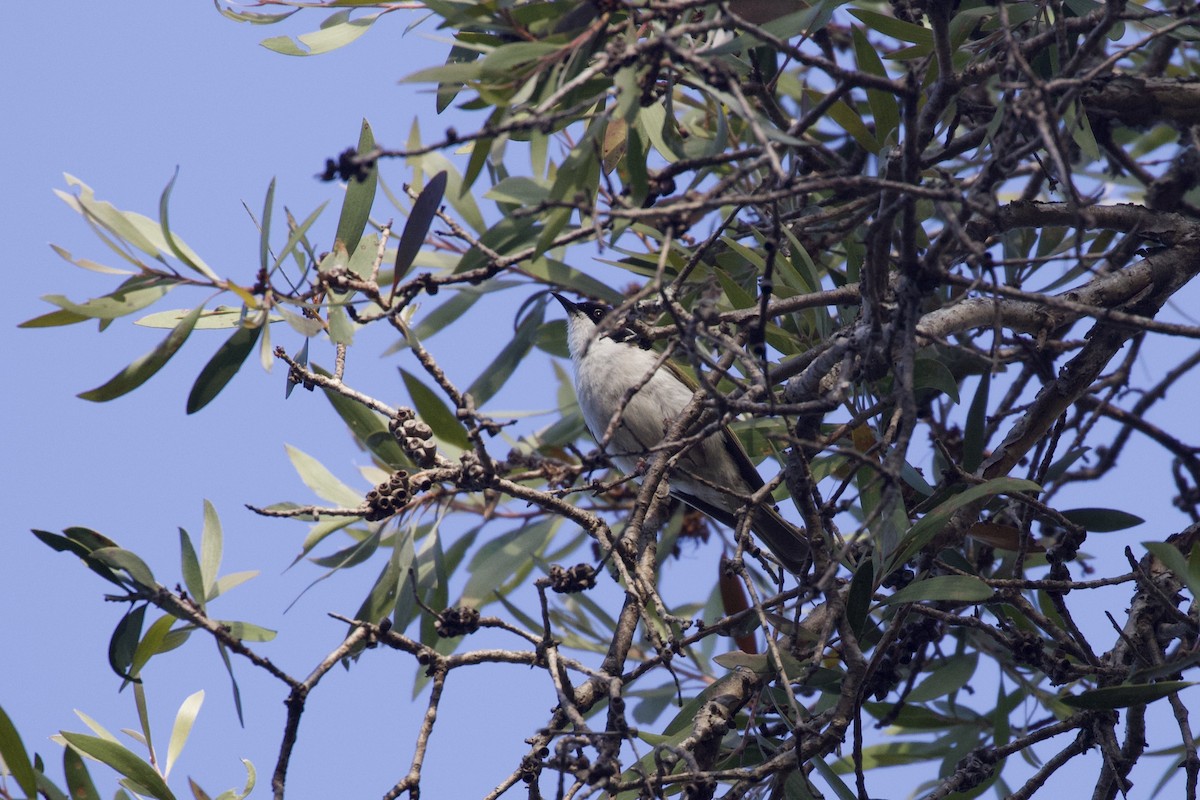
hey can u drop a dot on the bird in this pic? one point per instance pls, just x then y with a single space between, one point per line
715 476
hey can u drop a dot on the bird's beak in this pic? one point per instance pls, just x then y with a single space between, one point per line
567 305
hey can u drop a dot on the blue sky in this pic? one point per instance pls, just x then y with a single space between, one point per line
119 95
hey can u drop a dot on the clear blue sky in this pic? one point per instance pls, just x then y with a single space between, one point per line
119 94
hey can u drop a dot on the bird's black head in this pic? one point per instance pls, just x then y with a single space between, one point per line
596 313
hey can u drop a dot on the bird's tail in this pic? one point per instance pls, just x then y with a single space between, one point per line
787 542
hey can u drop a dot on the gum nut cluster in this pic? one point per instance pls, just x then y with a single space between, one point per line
414 436
388 497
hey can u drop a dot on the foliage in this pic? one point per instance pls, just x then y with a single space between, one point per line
866 227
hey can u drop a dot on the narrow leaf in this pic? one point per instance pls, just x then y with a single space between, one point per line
1170 556
182 727
181 250
212 542
424 211
434 413
1103 520
925 528
360 196
248 631
143 368
123 761
128 561
959 588
193 578
153 642
237 693
79 781
1123 696
323 482
124 642
264 231
974 430
12 751
221 368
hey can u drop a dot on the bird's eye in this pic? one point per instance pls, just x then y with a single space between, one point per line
597 314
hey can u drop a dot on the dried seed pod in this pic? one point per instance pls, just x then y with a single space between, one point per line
459 621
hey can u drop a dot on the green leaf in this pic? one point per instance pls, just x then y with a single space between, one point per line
124 642
424 212
932 373
352 555
368 427
13 753
849 121
297 235
336 31
462 202
123 761
858 601
360 196
135 229
951 676
133 295
181 250
128 561
897 29
384 592
182 727
1103 520
434 413
87 263
193 578
322 482
231 581
212 543
1059 467
79 782
455 73
221 368
505 364
143 368
82 546
509 62
884 107
247 631
975 429
1123 696
153 642
237 692
211 319
518 190
264 230
929 525
1174 560
505 560
959 588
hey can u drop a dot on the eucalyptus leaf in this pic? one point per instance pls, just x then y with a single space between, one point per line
1125 695
123 761
12 752
185 717
223 365
360 196
956 588
145 367
424 212
1103 520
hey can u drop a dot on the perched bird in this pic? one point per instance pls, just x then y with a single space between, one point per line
715 476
